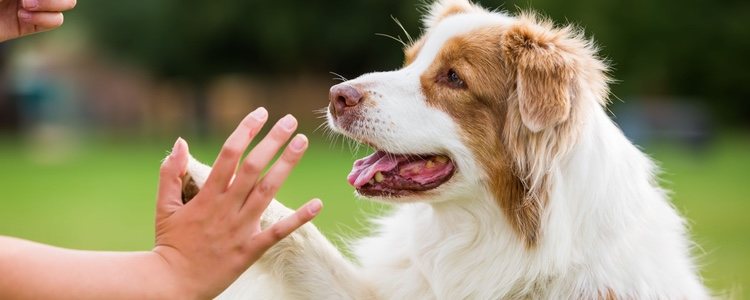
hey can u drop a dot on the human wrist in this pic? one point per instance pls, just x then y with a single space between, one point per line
177 282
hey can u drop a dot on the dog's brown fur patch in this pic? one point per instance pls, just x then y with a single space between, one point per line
543 76
480 110
516 108
541 125
189 188
411 51
607 294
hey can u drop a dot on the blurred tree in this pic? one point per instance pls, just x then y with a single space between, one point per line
198 39
686 48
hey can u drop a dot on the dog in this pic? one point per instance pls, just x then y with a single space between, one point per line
508 178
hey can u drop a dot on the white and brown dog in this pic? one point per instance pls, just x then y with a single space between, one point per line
509 179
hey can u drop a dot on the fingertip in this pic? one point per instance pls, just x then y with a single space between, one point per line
178 155
44 20
181 155
260 114
176 145
179 148
288 122
182 147
314 207
254 121
299 142
303 137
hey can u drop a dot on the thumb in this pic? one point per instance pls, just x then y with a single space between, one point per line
169 196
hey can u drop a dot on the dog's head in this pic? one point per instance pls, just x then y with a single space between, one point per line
485 102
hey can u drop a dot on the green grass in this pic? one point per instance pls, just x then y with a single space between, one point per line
102 196
712 189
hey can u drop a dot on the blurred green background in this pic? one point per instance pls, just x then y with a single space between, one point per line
88 111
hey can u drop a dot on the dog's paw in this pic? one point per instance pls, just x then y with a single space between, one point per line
274 213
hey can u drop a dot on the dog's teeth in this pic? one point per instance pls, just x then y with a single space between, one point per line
441 159
379 177
372 181
430 164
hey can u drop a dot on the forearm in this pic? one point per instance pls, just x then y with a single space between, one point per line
32 270
200 247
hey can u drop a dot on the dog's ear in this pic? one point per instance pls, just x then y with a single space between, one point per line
194 178
543 72
440 9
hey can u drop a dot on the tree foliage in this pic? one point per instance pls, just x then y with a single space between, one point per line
689 48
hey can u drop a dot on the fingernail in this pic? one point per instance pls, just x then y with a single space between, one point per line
315 206
30 4
259 114
298 142
288 122
24 15
177 148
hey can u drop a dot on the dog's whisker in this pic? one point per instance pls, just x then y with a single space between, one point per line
321 111
338 76
408 36
397 39
321 115
321 126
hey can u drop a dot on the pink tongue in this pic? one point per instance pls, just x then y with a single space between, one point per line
364 169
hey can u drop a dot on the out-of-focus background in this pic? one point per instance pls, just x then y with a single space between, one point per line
88 111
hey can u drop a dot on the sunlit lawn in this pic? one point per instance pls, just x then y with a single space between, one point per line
713 190
102 197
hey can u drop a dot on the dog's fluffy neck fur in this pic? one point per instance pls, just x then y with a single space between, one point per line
610 235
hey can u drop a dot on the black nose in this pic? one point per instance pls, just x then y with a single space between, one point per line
343 96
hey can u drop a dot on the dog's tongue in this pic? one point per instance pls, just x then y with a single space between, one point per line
364 169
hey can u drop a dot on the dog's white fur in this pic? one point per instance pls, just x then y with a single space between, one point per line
609 231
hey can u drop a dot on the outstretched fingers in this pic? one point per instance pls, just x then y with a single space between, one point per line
260 156
267 187
281 229
230 154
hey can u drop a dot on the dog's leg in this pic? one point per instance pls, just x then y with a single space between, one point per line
305 265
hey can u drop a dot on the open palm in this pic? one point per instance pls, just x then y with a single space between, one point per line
23 17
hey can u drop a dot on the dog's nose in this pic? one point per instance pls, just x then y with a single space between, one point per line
344 96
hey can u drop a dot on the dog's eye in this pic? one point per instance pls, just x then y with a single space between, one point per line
455 81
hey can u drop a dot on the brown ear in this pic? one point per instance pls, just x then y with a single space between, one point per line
544 74
440 9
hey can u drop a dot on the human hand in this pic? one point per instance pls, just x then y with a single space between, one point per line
23 17
212 239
